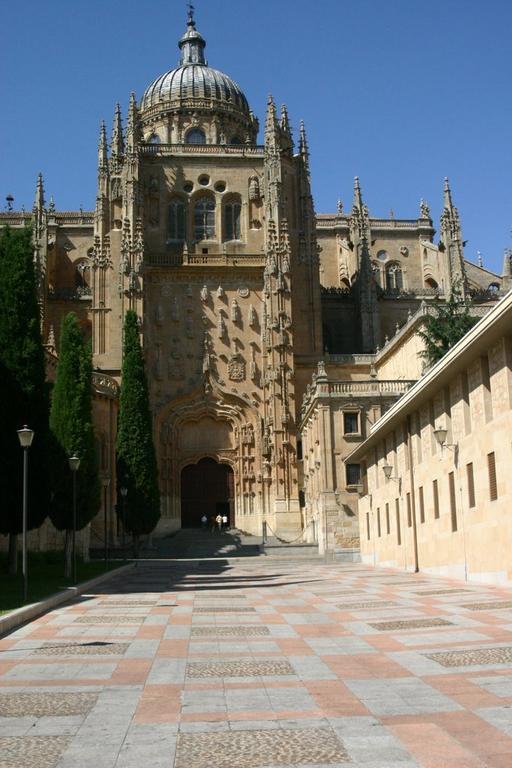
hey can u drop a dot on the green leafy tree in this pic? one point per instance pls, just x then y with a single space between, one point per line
136 460
23 389
449 323
72 433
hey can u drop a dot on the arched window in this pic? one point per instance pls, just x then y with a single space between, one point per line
494 287
235 140
394 277
232 217
154 139
204 219
431 283
177 220
195 136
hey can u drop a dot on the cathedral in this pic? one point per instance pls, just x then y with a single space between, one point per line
274 337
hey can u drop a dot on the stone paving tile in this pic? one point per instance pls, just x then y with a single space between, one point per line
472 657
82 649
48 703
108 619
451 591
259 748
227 631
488 606
225 609
410 624
31 751
239 668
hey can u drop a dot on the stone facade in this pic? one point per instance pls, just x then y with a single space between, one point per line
445 508
241 291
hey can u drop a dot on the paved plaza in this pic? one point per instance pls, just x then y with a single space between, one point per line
254 664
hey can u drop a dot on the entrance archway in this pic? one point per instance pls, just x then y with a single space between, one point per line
206 489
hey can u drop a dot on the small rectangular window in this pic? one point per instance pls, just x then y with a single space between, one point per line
350 423
471 485
397 515
435 497
299 450
388 522
493 486
409 510
368 526
353 474
453 504
378 522
422 504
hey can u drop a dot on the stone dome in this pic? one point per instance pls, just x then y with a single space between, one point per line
193 84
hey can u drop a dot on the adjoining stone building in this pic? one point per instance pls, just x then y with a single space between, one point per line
241 291
437 485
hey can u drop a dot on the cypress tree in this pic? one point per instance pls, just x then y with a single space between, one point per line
449 323
136 460
23 388
72 433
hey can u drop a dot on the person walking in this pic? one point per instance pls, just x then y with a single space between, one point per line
225 522
204 522
218 520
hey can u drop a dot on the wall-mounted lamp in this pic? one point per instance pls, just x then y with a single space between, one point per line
388 474
440 435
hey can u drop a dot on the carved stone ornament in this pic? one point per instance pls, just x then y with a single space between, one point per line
243 292
220 292
252 316
236 369
404 251
204 293
235 311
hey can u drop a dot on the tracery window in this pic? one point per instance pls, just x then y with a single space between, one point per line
154 139
195 136
204 219
394 277
431 283
177 220
232 218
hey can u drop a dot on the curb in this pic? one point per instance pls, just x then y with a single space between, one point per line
21 616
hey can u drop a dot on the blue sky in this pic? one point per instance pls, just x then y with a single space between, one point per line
398 92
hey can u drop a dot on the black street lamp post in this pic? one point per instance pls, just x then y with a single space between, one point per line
106 483
124 493
74 463
25 437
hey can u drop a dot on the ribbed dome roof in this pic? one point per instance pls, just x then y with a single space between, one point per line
193 83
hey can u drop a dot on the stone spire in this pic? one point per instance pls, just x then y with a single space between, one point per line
451 241
368 304
303 146
39 198
117 143
358 198
271 128
507 265
286 131
192 44
102 150
132 125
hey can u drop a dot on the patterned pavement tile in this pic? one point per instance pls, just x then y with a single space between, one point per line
411 624
428 592
48 704
489 606
239 668
225 609
468 658
82 649
31 751
237 630
259 748
362 606
108 619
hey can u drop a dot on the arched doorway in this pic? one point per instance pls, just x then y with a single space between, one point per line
206 489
